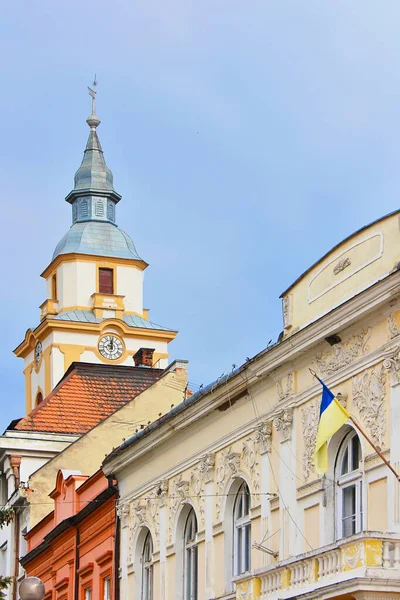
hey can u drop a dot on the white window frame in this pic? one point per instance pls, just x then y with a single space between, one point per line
88 593
242 531
351 479
107 588
190 566
147 568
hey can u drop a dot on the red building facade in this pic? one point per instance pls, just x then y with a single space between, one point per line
74 549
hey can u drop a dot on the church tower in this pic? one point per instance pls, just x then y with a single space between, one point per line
93 310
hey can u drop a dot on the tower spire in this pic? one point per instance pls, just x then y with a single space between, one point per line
93 197
93 120
92 93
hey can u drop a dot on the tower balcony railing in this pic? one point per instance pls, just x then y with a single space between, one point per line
361 564
48 307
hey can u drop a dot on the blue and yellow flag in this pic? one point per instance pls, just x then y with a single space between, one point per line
332 416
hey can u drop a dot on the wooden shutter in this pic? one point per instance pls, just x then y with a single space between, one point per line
106 281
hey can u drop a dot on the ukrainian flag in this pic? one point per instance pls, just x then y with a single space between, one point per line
332 416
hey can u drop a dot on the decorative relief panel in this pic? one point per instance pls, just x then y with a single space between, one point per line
343 354
341 265
247 462
309 422
392 364
394 331
206 467
285 387
142 512
194 488
287 311
283 423
262 437
368 396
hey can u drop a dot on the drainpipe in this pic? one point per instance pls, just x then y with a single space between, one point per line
15 463
16 555
113 484
117 547
77 563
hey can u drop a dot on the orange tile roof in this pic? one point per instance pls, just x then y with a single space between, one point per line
87 394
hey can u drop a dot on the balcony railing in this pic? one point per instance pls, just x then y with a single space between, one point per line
366 555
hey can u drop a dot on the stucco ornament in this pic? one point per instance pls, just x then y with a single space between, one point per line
341 265
285 387
283 423
193 488
177 487
309 422
343 354
201 474
368 396
287 311
392 364
262 436
123 514
243 590
206 467
230 464
394 331
162 491
352 555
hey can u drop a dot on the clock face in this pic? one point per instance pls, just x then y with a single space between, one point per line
38 352
110 347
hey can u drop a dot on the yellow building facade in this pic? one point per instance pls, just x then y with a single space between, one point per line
219 498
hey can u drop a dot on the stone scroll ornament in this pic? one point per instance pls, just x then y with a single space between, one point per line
283 423
392 364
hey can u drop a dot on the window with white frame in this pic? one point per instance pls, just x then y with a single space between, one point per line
3 559
107 588
241 531
190 557
349 486
88 593
147 568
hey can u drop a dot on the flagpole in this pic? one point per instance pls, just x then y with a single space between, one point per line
379 453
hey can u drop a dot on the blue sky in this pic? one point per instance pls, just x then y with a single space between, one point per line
246 138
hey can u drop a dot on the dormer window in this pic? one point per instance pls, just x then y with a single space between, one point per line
106 281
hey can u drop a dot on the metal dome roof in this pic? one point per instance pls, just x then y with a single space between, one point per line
97 238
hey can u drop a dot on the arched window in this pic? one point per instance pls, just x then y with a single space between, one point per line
190 557
39 398
241 531
349 486
147 568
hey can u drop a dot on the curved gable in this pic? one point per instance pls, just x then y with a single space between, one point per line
352 266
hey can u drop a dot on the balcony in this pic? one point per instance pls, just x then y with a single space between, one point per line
108 305
49 307
361 566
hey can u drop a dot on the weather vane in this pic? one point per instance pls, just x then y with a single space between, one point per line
93 93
